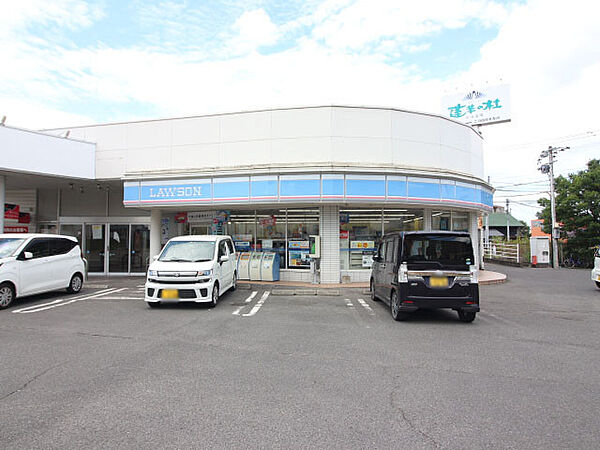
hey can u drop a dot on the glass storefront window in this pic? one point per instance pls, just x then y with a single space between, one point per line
242 228
270 232
460 221
301 223
403 220
360 233
450 220
72 230
440 220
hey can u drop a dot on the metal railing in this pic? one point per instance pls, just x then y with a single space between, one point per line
501 251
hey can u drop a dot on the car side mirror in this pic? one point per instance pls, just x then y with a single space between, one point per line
224 258
27 255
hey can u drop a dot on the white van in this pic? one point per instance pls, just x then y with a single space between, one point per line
192 269
35 263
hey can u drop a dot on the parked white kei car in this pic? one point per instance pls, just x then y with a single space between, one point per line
192 269
35 263
596 269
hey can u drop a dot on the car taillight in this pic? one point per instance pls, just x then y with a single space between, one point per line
403 273
473 274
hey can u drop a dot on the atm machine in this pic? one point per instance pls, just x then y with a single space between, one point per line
255 263
269 270
244 266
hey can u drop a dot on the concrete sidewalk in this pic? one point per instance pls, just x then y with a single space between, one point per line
485 277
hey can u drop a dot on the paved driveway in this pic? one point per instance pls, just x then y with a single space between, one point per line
101 370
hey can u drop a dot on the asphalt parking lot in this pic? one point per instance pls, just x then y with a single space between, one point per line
102 370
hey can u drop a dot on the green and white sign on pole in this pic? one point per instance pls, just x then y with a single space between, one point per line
479 106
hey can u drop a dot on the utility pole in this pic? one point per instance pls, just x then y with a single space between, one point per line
549 169
507 221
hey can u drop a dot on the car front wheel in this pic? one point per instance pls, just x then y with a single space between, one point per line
215 296
372 288
598 284
7 295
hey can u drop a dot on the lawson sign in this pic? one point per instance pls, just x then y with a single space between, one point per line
164 192
313 187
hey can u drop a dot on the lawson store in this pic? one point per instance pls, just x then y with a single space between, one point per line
269 178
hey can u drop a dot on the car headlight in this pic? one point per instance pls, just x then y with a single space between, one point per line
152 273
205 273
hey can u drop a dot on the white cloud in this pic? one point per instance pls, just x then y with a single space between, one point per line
365 22
255 29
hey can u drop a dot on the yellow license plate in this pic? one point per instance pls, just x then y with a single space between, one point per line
598 278
438 282
170 293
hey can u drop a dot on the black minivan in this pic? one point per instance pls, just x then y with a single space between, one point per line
426 270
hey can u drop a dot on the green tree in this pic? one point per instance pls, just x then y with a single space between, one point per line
577 210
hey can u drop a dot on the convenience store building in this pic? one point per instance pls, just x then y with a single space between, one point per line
269 178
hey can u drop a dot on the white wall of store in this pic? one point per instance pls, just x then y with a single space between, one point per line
330 136
39 153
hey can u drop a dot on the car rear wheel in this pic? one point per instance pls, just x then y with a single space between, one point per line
7 295
75 284
466 317
214 296
395 308
372 288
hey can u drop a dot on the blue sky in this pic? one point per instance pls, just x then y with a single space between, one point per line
70 62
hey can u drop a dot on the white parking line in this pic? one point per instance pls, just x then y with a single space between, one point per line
248 300
366 306
258 305
56 305
349 303
59 301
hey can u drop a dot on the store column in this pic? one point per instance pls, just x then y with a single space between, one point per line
2 201
330 244
473 231
427 221
155 230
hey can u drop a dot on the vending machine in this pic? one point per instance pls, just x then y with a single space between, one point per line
244 266
255 263
269 270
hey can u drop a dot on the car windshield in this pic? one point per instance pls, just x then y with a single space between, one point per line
438 251
188 251
9 245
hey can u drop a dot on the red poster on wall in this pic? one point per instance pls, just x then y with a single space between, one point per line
181 217
24 217
11 211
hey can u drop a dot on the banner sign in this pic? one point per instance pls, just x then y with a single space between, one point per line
362 244
16 229
11 211
484 106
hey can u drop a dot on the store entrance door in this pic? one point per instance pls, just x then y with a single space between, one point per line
117 249
95 246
